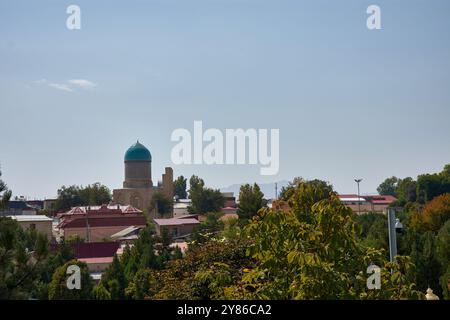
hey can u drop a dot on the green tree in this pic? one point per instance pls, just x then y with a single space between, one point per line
206 272
143 285
95 194
180 187
424 257
443 256
319 189
55 259
100 293
5 194
406 190
365 222
388 186
445 284
114 280
311 252
443 246
430 186
378 235
204 199
287 191
208 229
22 255
251 199
72 196
162 204
58 289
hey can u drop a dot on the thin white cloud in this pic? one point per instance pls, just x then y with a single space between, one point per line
69 85
83 83
40 81
60 86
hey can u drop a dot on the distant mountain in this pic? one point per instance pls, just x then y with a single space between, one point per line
267 188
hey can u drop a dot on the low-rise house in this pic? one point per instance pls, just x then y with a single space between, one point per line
380 203
180 207
18 207
40 223
128 235
365 204
99 223
97 255
177 227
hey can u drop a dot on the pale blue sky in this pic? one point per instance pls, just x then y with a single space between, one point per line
349 102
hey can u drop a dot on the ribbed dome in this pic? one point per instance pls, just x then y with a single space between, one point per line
138 152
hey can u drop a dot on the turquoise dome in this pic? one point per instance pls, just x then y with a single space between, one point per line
138 152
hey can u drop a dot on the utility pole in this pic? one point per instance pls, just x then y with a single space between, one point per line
276 191
392 235
88 231
359 200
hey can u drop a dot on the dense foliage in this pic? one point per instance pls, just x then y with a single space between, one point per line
309 245
427 187
180 185
72 196
204 199
312 250
5 193
162 204
426 237
58 289
251 200
26 262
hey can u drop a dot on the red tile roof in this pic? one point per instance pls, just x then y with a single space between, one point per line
381 199
104 222
103 209
343 196
95 249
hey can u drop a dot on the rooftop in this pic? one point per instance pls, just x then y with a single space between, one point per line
31 218
110 208
125 232
175 221
95 249
97 260
104 222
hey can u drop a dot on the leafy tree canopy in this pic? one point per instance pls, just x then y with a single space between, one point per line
433 215
204 199
58 289
251 199
162 204
388 187
180 187
5 193
95 194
